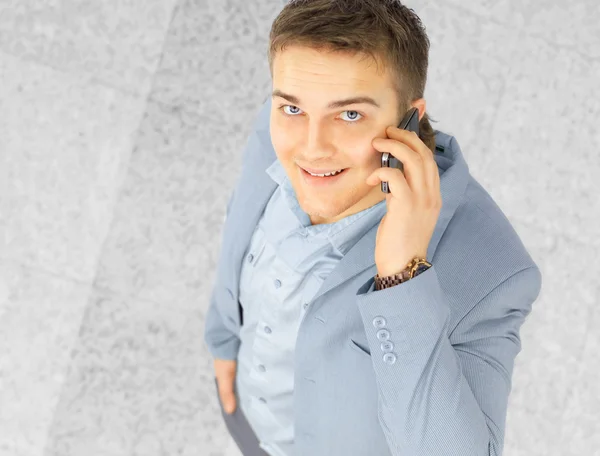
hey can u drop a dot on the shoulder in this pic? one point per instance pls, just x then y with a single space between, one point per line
480 249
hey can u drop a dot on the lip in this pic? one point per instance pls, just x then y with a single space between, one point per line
321 181
316 171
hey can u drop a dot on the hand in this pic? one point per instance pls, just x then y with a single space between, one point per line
413 204
225 371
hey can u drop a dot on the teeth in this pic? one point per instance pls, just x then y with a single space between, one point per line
327 174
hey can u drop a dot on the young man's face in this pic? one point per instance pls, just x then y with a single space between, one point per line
306 133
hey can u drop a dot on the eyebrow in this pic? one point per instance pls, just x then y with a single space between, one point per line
333 104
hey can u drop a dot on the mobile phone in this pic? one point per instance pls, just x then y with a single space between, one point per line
410 122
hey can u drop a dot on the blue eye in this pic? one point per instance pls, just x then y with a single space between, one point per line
351 121
284 106
354 121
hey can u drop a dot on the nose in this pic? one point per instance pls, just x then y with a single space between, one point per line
317 143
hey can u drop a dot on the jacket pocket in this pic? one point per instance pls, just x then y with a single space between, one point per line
363 350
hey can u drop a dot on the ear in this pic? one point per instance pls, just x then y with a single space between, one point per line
421 105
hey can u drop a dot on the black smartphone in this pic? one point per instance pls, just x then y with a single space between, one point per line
409 122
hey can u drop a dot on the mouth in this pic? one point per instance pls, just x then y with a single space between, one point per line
319 181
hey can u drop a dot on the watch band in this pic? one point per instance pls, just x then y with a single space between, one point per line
413 269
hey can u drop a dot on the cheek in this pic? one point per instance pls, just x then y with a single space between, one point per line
366 158
277 129
282 145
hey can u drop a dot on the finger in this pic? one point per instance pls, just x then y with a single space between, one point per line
397 184
430 174
432 177
411 139
414 169
226 394
229 404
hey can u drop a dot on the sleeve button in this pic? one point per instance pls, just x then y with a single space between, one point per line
389 358
383 335
387 346
379 322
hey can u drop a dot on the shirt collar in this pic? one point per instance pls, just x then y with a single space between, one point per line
343 233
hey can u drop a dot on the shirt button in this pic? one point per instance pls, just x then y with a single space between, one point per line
389 358
383 335
263 400
267 330
387 346
250 258
277 283
379 322
305 305
261 368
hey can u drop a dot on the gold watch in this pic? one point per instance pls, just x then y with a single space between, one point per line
413 269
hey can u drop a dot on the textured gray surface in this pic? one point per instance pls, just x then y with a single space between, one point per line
120 138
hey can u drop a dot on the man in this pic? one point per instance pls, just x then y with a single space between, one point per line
326 341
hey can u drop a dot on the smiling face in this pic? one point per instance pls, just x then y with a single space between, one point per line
307 131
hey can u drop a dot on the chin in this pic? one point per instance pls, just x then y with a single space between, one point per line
320 211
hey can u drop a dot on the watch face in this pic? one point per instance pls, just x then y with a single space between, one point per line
421 268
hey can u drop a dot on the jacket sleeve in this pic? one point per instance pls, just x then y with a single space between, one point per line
221 341
438 397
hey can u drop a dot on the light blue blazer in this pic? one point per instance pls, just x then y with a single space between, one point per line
447 392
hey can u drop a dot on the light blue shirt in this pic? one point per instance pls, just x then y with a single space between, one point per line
288 254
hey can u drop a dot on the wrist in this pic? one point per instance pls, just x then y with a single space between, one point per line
388 277
397 267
